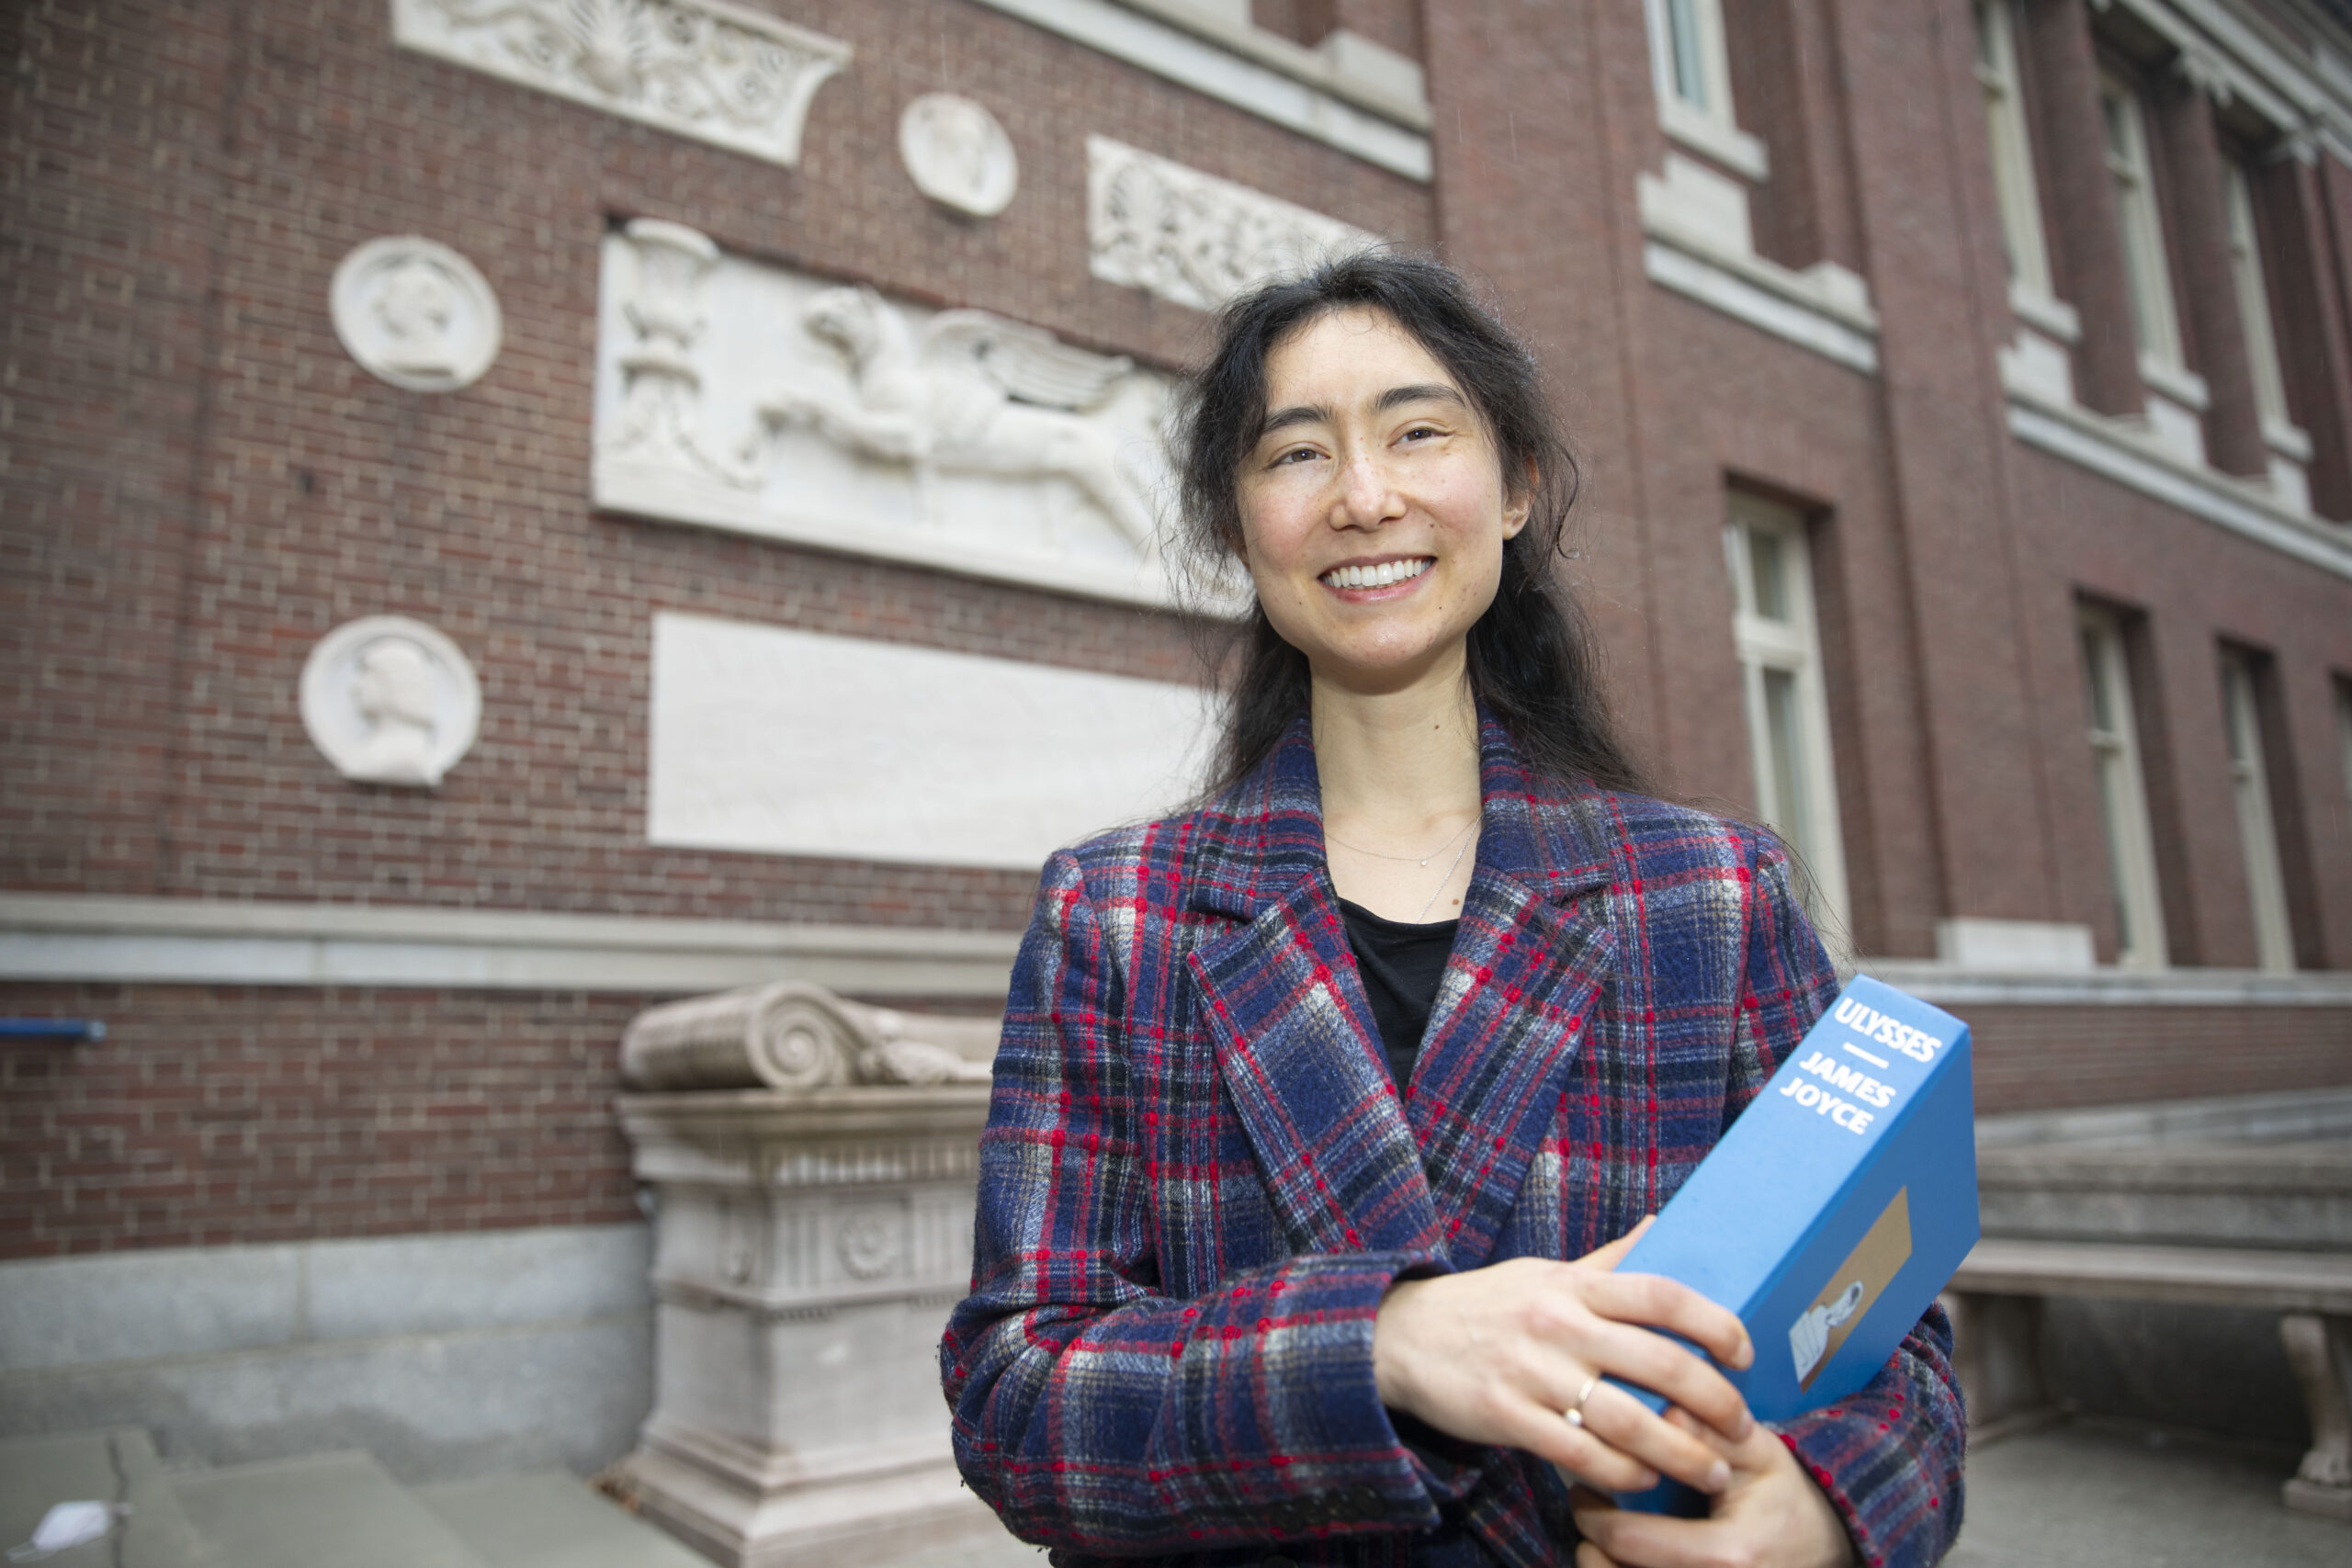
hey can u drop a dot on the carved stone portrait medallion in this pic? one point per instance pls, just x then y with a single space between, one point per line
958 154
415 314
391 701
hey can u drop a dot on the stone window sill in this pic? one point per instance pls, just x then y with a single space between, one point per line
2046 314
1710 138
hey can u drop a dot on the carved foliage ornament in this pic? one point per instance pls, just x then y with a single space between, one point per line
415 314
391 701
1193 238
719 72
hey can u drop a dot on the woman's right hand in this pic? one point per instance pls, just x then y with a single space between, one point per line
1498 1355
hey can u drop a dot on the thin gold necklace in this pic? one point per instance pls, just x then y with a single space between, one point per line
1418 860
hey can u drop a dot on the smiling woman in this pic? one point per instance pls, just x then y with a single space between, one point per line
1299 1209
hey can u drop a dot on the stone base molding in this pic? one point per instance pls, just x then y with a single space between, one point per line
808 1243
446 1356
899 1503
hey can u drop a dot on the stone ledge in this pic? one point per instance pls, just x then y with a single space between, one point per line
1769 298
1949 987
139 941
2111 450
1260 73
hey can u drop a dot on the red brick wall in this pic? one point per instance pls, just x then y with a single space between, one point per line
2196 585
218 1114
2048 1058
213 1115
198 483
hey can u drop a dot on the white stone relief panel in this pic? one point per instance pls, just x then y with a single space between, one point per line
719 72
415 314
746 396
796 742
389 700
1193 238
958 155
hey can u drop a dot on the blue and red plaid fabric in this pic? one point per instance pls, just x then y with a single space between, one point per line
1197 1180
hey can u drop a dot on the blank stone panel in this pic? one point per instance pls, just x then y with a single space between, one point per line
793 742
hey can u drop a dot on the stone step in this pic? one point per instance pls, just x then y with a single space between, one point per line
114 1466
550 1520
338 1510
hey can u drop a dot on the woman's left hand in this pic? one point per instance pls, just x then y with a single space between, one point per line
1772 1516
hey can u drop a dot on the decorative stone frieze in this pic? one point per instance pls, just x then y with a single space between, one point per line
741 395
389 701
415 314
719 72
1193 238
808 1242
958 155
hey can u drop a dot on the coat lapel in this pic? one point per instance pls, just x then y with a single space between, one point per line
1512 1012
1295 1045
1349 1168
1294 1037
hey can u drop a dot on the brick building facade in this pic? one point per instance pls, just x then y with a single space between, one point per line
2034 631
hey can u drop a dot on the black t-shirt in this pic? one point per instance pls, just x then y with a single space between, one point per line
1401 965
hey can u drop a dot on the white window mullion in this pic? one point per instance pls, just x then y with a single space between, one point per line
2250 786
2122 793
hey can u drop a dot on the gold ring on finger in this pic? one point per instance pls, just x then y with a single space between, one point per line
1574 1414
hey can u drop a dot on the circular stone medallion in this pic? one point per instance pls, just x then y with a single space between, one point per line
415 314
391 701
958 154
869 1242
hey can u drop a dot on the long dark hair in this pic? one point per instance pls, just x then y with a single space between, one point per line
1532 661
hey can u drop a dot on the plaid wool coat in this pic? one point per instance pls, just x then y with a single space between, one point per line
1197 1178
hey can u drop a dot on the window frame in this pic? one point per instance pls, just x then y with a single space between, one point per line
2343 731
2119 782
1710 51
1791 646
2016 188
2266 870
2147 263
2260 322
1711 129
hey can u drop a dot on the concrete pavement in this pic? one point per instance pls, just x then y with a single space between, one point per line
2088 1493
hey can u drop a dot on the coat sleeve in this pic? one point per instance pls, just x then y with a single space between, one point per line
1090 1410
1889 1457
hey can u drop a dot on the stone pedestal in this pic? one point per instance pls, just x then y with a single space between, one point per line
808 1243
2319 1348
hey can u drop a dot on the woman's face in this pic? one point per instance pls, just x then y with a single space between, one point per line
1373 506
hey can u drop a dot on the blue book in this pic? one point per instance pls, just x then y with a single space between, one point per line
1838 1204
